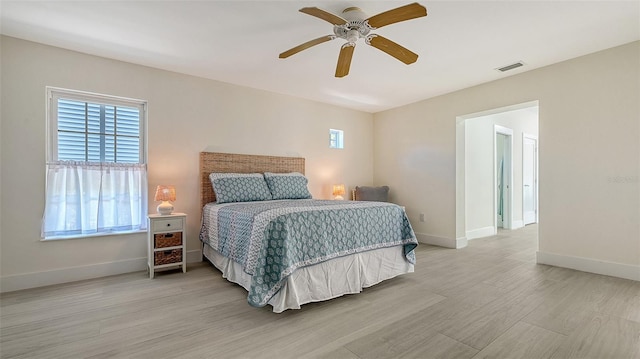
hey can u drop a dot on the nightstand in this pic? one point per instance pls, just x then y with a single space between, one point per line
167 241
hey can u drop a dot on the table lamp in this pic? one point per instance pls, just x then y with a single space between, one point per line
338 191
165 194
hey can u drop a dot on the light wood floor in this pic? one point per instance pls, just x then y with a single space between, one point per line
489 300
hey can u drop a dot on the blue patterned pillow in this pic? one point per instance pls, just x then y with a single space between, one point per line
287 185
239 187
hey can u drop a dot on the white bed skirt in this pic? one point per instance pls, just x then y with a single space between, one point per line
323 281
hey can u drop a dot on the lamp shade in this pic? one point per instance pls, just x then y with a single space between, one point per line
165 193
338 191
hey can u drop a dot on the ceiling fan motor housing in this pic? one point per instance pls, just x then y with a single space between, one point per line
356 26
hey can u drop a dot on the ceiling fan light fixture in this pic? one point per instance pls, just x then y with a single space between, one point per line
353 35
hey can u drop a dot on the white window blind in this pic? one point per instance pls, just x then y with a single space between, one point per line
96 170
97 132
97 128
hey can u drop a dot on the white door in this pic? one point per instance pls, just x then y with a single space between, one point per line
503 180
500 183
529 179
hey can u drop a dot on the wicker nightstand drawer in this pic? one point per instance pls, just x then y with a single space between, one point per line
163 240
167 257
167 225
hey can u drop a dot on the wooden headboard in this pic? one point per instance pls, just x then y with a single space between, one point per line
237 163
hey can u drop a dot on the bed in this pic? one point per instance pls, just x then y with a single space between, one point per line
287 249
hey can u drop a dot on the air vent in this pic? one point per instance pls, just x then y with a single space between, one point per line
510 67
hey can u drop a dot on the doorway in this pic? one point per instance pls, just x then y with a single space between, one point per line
479 138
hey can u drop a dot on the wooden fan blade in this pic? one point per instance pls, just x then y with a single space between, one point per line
324 15
399 52
402 13
344 60
306 45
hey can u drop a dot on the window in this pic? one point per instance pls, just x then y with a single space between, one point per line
336 138
96 165
96 128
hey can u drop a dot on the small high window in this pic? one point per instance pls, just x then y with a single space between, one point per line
336 138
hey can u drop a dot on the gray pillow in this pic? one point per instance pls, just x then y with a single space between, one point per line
287 185
378 194
239 187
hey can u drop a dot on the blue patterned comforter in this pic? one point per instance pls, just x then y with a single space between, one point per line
271 239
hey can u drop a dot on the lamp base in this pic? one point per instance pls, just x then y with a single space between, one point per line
165 208
338 198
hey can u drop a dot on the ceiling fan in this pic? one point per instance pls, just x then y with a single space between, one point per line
353 25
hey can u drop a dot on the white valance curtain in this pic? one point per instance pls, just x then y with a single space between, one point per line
84 198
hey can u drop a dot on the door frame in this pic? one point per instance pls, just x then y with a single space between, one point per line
507 214
535 174
460 240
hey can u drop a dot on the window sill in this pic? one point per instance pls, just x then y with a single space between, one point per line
80 236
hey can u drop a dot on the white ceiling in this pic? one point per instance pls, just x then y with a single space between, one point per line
460 43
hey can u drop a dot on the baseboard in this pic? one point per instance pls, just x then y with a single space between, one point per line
441 241
517 224
72 274
481 232
626 271
194 256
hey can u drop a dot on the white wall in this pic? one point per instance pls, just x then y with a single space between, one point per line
186 115
479 177
1 166
479 160
589 158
